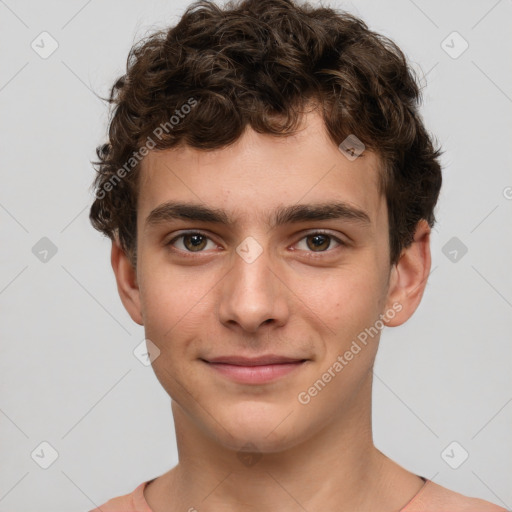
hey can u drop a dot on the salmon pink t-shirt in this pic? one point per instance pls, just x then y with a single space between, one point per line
430 498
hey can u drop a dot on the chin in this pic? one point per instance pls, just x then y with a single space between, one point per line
263 425
251 441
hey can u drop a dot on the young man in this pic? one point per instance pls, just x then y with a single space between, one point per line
269 189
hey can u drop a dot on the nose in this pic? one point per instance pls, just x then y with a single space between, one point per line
253 294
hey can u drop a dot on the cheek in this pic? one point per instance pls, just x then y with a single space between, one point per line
349 306
169 312
170 296
344 297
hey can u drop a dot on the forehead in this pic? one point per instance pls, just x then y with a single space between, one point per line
251 177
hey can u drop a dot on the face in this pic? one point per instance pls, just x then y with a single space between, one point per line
258 275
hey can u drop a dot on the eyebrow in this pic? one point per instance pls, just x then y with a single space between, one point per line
172 210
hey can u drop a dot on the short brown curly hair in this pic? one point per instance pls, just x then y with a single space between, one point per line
259 63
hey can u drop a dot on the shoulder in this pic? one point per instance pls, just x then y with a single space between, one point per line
131 502
435 498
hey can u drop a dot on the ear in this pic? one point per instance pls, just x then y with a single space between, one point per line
409 277
127 286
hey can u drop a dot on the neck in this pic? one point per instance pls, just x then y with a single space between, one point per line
338 468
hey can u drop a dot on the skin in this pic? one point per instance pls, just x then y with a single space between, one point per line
314 456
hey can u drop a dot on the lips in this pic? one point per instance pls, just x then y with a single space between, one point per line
254 370
254 361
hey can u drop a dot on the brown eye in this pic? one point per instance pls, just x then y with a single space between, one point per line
190 242
194 242
320 242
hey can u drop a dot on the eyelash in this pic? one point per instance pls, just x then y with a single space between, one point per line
190 254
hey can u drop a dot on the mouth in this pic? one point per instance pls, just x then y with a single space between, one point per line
257 370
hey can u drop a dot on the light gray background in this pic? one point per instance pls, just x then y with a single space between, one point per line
68 374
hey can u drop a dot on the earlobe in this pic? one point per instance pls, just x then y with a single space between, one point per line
409 276
126 278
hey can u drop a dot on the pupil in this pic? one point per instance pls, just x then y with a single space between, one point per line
195 240
320 238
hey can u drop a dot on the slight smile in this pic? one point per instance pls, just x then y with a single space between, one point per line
257 370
